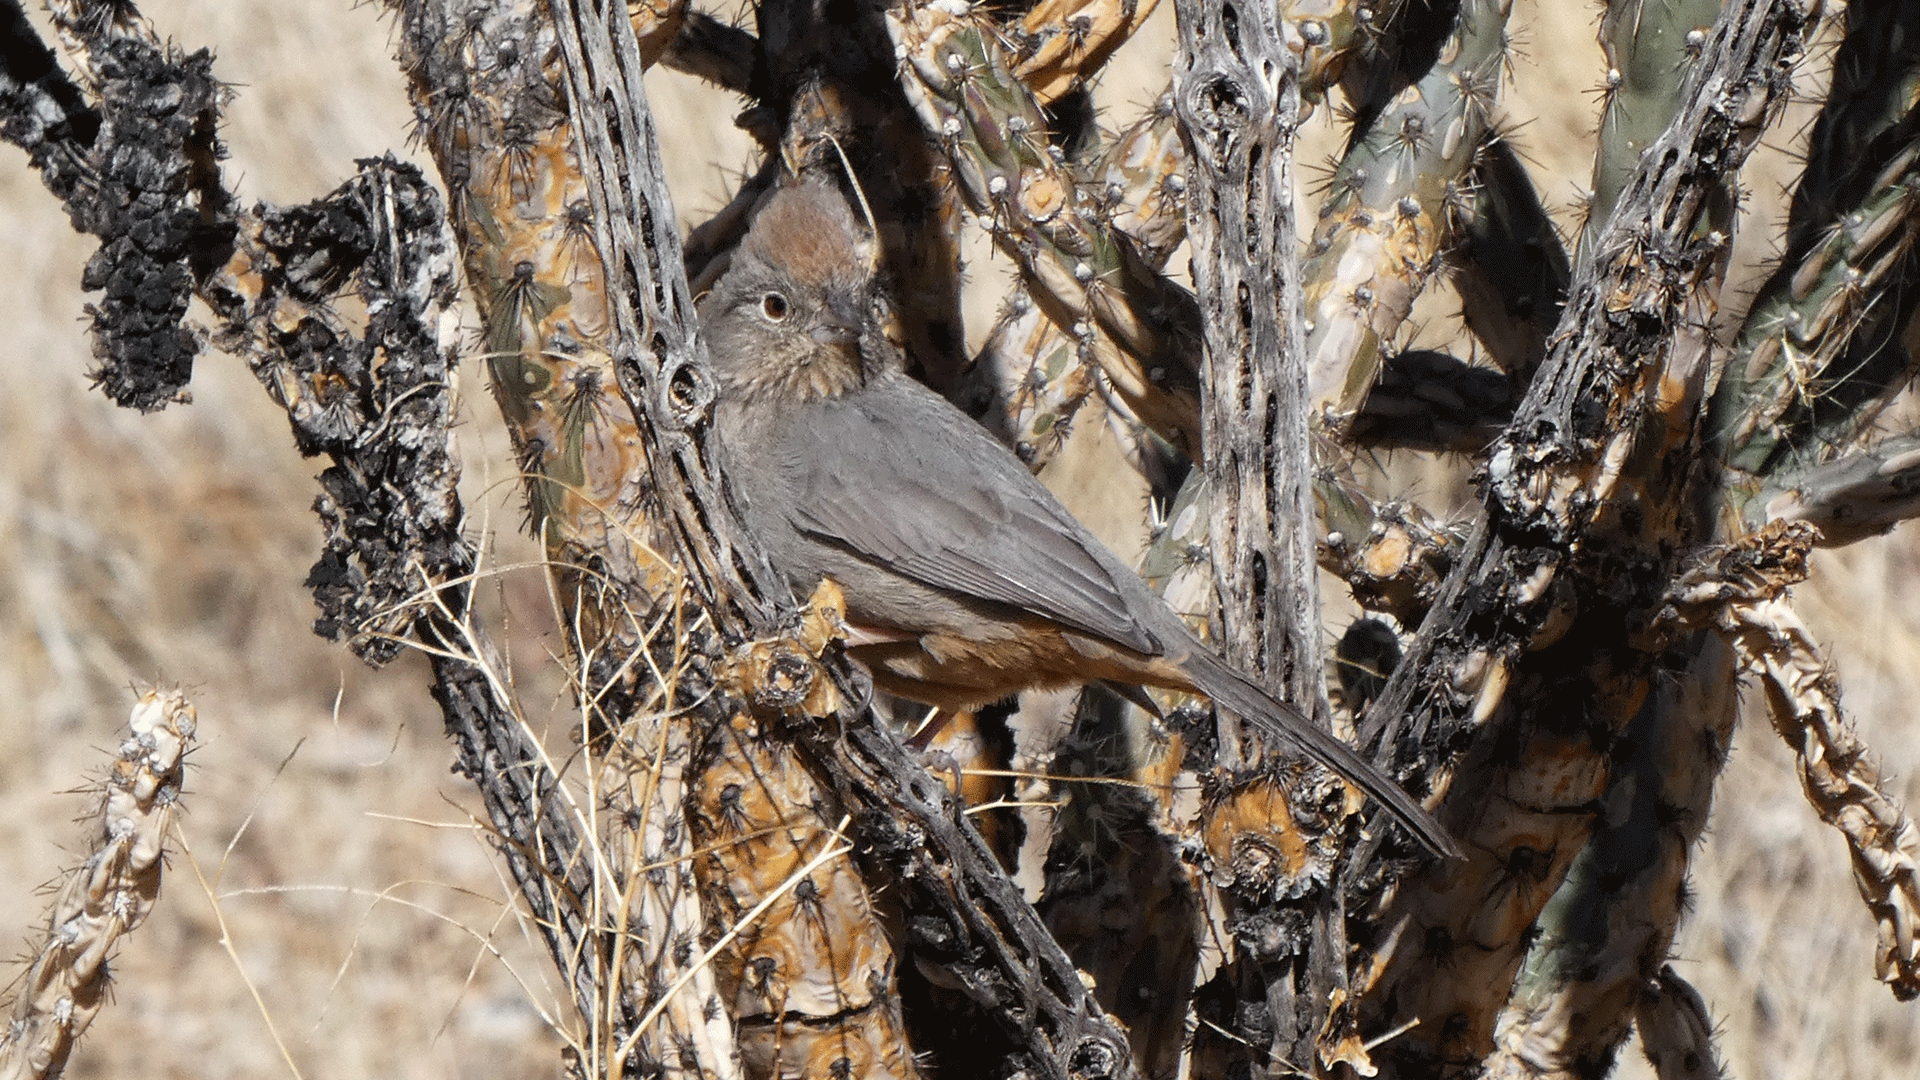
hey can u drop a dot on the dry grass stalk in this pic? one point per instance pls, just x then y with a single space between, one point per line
106 897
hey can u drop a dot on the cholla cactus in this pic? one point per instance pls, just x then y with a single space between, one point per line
743 869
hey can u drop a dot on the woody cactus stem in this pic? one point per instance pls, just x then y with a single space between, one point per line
1550 474
1134 320
1237 93
1575 998
1397 198
1532 631
1821 350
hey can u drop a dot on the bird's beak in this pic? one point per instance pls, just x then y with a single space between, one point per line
836 333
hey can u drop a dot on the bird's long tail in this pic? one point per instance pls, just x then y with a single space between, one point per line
1234 692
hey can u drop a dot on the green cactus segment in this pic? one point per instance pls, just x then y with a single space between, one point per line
1178 564
1138 325
1033 375
1511 269
1330 35
1650 46
1612 921
1395 197
1047 375
1142 182
1863 494
1821 352
1428 400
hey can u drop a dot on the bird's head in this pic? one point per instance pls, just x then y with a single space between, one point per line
790 315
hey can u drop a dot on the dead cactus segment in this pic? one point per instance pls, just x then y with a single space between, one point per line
1752 570
1676 1030
1059 43
1839 778
106 897
138 170
377 399
784 674
1740 593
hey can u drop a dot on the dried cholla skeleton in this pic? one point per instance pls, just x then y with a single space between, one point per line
743 872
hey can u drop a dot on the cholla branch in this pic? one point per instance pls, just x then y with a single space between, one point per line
1676 1031
1396 200
374 396
1616 914
1392 555
1821 351
1136 323
1611 415
1840 779
1741 592
1059 43
1650 46
106 897
721 53
1511 269
1034 374
1865 493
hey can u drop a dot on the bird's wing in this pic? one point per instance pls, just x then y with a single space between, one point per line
901 478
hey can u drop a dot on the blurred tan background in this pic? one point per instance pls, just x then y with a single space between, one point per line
363 909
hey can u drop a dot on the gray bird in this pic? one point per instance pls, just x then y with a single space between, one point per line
965 580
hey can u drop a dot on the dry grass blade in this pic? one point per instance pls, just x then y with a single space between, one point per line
107 896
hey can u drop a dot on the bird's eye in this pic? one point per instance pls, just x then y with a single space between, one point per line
774 306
